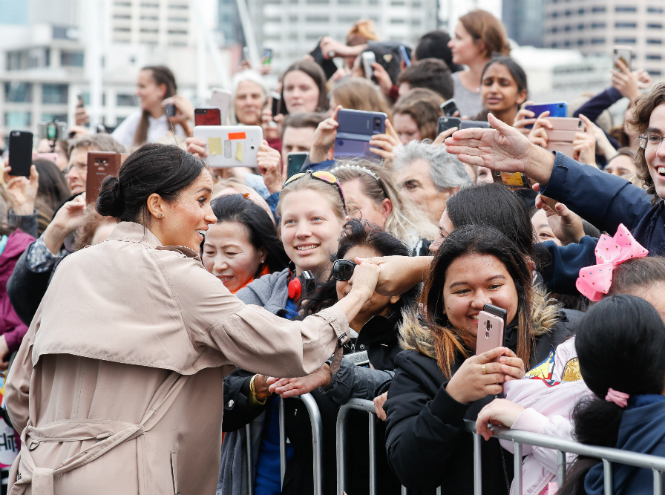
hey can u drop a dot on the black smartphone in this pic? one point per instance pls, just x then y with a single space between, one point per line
328 66
496 311
449 108
275 99
20 153
207 116
294 162
169 110
446 123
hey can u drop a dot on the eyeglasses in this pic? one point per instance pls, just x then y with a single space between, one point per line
342 270
651 141
80 167
321 175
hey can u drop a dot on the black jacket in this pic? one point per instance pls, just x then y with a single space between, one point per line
426 443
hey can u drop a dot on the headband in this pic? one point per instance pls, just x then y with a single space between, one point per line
358 168
618 398
595 281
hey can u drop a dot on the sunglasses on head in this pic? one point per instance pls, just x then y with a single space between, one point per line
323 176
342 270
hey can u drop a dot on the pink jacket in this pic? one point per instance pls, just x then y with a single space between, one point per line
549 393
118 384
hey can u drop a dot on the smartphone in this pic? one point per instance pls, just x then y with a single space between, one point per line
20 153
368 58
512 180
449 108
405 55
561 137
556 109
327 64
52 157
573 124
294 162
565 147
623 53
446 123
490 329
169 110
266 58
245 53
230 145
101 164
221 98
275 99
207 116
355 130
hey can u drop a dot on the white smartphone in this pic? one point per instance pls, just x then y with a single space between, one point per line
230 145
623 53
368 58
221 98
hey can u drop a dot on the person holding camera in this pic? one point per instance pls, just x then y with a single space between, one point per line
162 111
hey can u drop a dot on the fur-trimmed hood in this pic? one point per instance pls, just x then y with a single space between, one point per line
415 336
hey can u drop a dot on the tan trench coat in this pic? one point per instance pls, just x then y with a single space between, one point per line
118 385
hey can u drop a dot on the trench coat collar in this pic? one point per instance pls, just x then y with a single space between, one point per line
135 232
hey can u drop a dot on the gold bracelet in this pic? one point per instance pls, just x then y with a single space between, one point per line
252 390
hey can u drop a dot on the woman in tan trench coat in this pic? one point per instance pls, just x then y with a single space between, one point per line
117 387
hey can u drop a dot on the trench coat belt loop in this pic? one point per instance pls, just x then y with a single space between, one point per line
108 434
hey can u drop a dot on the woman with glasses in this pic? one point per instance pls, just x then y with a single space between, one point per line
603 199
367 367
311 213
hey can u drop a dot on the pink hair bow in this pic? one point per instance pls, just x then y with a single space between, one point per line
619 398
595 281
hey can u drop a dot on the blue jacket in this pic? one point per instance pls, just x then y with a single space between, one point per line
606 201
641 430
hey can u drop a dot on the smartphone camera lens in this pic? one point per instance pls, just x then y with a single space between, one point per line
377 123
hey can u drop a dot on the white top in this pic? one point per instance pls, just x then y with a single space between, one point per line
157 129
468 102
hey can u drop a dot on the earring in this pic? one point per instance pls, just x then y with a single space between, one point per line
160 215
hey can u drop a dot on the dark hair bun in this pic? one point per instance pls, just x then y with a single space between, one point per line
111 201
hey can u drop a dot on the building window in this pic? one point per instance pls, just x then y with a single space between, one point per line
581 11
625 41
555 15
654 56
654 10
652 41
597 25
625 8
149 30
631 25
397 21
655 73
121 30
149 18
18 92
317 18
597 10
566 29
580 27
179 6
398 3
71 59
123 4
178 19
177 31
54 94
554 29
122 16
580 42
18 120
568 13
597 41
655 26
125 100
51 117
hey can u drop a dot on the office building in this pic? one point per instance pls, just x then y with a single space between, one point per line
595 26
524 21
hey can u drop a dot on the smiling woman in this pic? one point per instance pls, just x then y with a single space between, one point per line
138 317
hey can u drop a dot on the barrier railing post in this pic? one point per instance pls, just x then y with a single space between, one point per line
340 437
657 482
561 463
517 467
317 432
248 450
372 456
282 442
607 480
477 466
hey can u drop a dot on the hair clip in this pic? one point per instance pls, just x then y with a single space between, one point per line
245 195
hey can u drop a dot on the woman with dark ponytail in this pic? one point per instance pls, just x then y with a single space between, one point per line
621 349
122 369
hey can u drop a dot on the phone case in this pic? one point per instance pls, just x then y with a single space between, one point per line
230 146
355 130
490 332
564 147
221 98
513 180
207 116
101 164
327 64
469 124
623 53
295 160
449 107
559 135
368 59
20 153
566 124
446 123
556 109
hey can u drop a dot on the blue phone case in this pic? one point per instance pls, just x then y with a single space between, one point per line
556 109
355 130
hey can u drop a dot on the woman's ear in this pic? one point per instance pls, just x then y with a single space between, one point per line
521 97
155 205
162 91
386 208
263 254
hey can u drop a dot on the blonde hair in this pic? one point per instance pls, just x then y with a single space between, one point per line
405 221
308 182
361 32
358 93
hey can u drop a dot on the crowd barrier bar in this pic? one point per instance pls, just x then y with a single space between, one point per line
606 454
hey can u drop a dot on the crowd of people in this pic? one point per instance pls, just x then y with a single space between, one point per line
143 333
